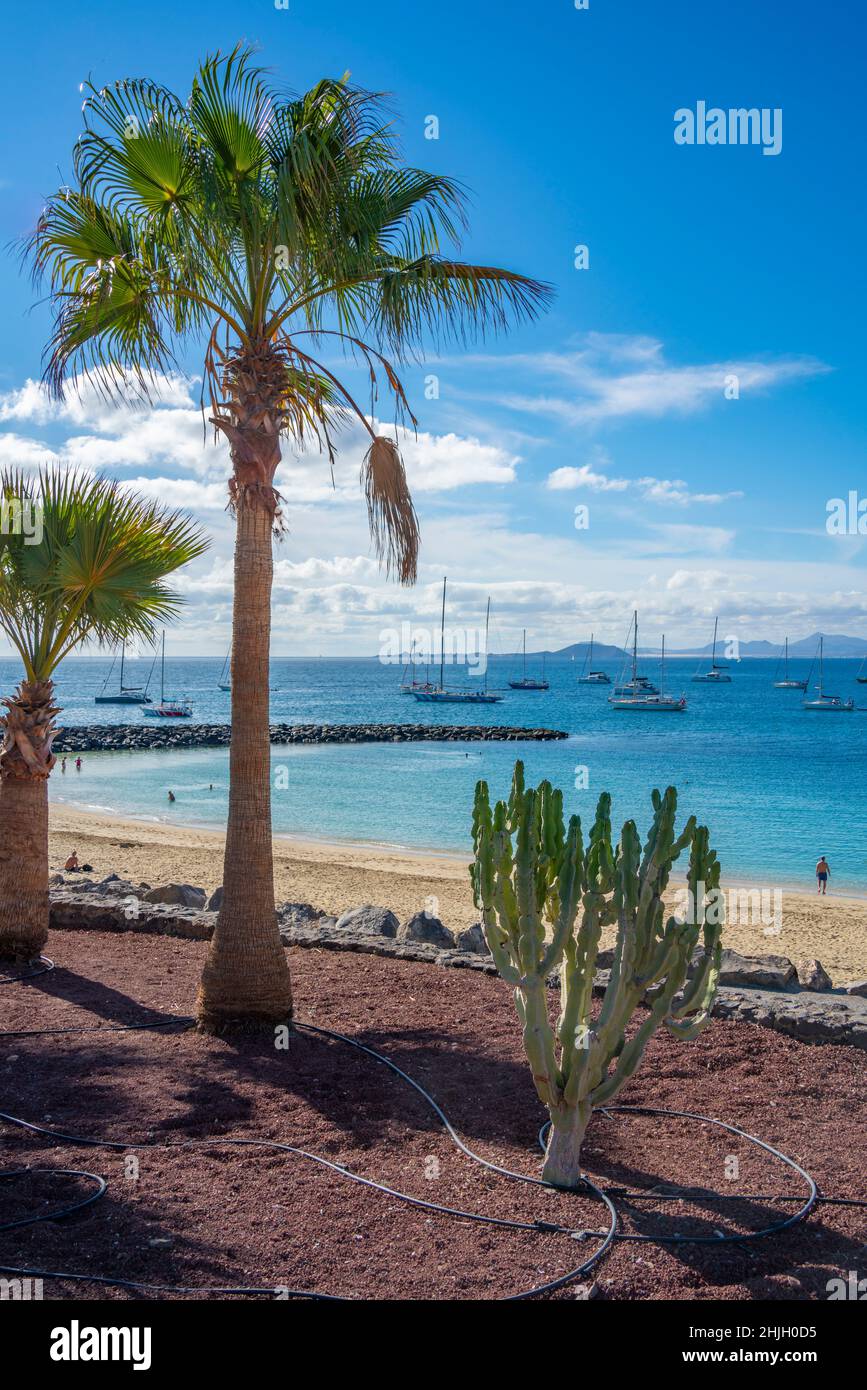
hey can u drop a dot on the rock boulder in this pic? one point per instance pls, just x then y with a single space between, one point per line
756 972
813 975
177 895
427 928
375 921
473 939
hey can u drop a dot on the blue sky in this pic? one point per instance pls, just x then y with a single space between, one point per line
705 262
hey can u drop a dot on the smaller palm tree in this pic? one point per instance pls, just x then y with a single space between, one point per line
89 565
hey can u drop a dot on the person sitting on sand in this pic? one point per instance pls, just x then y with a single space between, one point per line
72 865
823 873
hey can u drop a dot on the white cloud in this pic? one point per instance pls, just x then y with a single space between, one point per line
613 377
593 476
182 492
679 539
676 491
584 477
17 451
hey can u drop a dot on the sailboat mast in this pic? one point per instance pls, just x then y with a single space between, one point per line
662 668
443 638
487 625
713 651
821 667
635 647
163 671
122 655
524 666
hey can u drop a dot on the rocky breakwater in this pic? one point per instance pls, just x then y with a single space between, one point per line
768 991
92 738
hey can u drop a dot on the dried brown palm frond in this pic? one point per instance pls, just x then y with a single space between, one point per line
390 511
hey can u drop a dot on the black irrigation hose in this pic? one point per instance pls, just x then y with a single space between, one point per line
44 966
101 1189
604 1195
681 1194
179 1021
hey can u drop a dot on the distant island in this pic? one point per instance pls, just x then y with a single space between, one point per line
836 645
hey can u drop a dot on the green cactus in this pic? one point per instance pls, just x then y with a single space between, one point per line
545 897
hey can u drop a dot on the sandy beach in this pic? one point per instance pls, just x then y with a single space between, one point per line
336 877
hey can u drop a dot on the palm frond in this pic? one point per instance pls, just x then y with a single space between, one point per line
96 571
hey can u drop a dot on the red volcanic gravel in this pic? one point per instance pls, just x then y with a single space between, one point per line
227 1216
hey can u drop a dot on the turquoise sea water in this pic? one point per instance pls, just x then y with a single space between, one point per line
777 785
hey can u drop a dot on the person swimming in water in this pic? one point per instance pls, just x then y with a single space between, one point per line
823 873
171 796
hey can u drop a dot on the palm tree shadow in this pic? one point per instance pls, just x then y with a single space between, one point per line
68 986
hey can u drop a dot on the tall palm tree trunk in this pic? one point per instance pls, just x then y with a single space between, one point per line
26 761
245 982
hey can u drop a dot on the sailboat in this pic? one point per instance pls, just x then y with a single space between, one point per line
588 675
717 675
222 683
636 685
168 709
861 677
834 703
411 686
529 682
785 683
125 694
658 702
438 695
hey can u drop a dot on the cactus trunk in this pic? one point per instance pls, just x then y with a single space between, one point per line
562 1166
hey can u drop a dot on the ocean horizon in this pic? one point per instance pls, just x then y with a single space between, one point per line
769 778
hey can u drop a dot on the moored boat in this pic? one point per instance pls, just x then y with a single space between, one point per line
125 694
717 675
222 683
637 684
438 695
832 704
529 682
590 677
786 683
168 709
656 703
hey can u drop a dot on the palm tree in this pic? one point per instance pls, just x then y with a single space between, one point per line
261 226
90 569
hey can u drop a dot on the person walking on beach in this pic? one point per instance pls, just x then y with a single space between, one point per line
78 764
823 873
